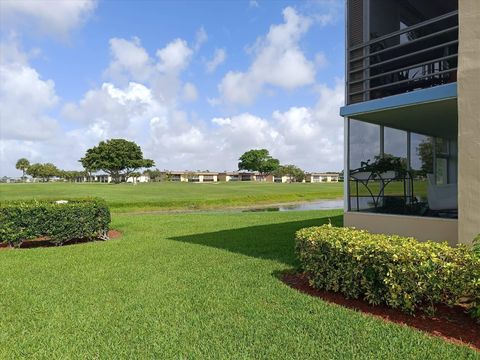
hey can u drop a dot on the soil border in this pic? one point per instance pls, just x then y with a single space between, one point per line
449 323
43 242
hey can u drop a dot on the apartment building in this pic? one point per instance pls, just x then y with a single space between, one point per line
412 123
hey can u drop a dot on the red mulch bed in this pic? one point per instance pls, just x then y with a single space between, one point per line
44 242
451 324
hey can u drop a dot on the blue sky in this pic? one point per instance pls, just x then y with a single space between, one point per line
74 73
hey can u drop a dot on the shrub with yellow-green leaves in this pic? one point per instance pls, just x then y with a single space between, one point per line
397 271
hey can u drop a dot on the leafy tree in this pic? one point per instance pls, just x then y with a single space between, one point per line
34 170
258 160
425 152
297 174
71 175
294 172
43 171
154 175
48 170
386 162
22 164
116 157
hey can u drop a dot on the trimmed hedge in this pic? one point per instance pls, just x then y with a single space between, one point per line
59 222
476 245
387 269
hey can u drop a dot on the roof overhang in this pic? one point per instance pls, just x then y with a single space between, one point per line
431 111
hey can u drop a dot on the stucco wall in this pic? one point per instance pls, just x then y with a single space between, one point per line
469 121
421 227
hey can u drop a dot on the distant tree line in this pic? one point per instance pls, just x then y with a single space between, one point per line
261 161
118 158
122 159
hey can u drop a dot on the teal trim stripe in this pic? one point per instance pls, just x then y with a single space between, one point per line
436 93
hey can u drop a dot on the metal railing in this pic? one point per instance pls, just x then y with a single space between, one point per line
415 57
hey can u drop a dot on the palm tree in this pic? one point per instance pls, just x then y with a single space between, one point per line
22 164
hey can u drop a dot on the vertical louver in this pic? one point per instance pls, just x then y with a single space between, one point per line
355 37
355 22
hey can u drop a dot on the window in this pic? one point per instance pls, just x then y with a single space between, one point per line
364 143
445 161
395 142
397 191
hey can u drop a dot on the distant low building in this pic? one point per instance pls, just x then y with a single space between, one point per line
139 179
190 176
322 177
210 177
244 176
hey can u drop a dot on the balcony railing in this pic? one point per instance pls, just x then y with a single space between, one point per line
415 57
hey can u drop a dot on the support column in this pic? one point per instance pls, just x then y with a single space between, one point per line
469 121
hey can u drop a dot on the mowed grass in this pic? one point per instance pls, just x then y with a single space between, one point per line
189 286
173 195
394 188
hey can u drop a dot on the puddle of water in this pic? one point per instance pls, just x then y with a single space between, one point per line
314 205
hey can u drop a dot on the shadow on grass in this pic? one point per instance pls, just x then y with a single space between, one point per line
271 241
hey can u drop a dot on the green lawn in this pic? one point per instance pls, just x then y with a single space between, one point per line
395 188
170 195
189 286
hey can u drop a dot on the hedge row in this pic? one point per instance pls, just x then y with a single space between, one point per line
60 221
386 269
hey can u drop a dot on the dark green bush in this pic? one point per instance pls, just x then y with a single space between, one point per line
476 245
59 222
386 269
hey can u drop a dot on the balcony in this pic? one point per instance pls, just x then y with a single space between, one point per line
415 57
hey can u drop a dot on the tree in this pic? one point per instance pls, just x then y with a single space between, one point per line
258 160
22 164
43 171
72 175
425 152
49 170
154 175
294 172
34 170
134 175
116 157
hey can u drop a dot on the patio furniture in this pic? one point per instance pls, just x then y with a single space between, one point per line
441 197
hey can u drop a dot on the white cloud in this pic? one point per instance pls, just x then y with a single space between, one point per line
10 52
190 92
54 17
326 12
174 57
111 111
140 100
25 99
278 61
253 3
311 138
130 61
219 57
222 121
200 38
